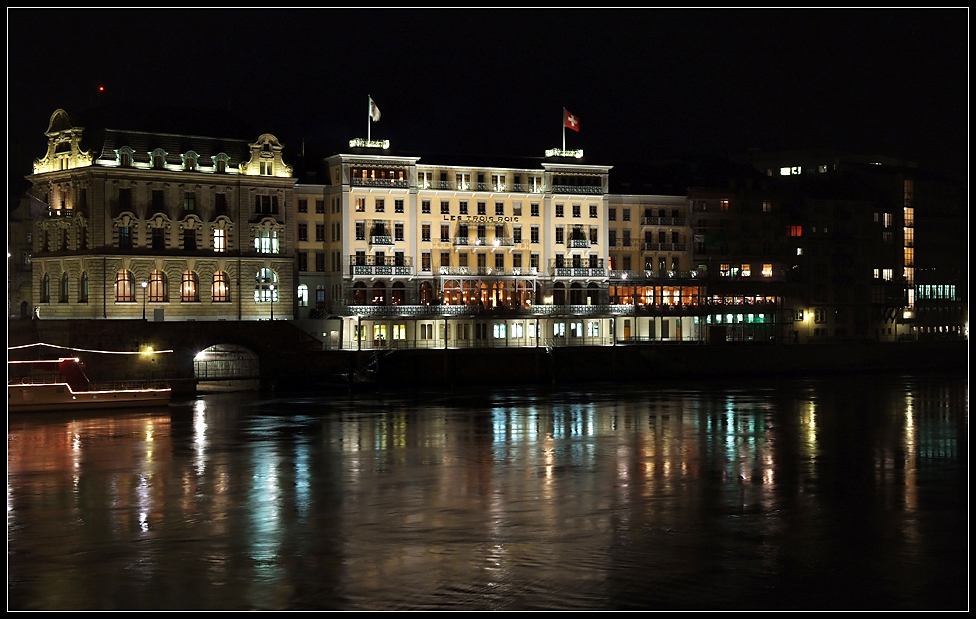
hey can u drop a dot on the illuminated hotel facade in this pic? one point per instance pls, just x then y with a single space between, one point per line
388 251
412 254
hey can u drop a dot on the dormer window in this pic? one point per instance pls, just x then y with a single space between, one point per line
190 160
220 162
158 158
267 169
124 155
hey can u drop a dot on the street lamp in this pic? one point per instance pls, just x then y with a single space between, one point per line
144 294
272 301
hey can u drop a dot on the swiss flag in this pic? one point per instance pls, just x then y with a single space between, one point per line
571 121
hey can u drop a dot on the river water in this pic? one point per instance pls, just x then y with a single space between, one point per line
760 494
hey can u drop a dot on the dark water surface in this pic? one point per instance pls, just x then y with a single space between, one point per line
821 493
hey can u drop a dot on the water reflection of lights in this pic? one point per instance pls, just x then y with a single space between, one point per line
911 453
200 435
143 500
265 509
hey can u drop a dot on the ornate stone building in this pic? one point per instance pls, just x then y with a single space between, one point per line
161 226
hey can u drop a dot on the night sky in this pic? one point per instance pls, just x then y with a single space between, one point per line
646 85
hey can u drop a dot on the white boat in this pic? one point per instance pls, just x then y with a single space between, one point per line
61 385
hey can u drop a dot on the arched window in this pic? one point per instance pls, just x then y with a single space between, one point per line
83 288
399 293
302 295
46 289
426 293
359 293
379 293
592 294
125 287
157 287
559 294
575 294
190 287
63 296
265 286
221 287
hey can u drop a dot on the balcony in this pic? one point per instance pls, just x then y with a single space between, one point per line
380 239
461 240
578 271
651 221
579 243
389 266
441 185
380 182
648 274
577 189
650 246
383 270
489 271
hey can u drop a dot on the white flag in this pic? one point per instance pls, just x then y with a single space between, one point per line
374 112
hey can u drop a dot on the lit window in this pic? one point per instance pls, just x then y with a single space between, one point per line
265 286
399 332
746 270
157 287
266 241
767 270
723 205
302 295
190 287
221 287
220 241
124 287
887 274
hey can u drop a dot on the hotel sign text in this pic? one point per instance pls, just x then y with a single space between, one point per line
481 218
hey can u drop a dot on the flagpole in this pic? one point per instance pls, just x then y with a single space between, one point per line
369 117
564 128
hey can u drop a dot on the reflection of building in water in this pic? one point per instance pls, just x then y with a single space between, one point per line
89 447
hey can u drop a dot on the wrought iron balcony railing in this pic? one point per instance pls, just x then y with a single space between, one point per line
585 189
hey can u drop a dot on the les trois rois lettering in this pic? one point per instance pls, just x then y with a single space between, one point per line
482 218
